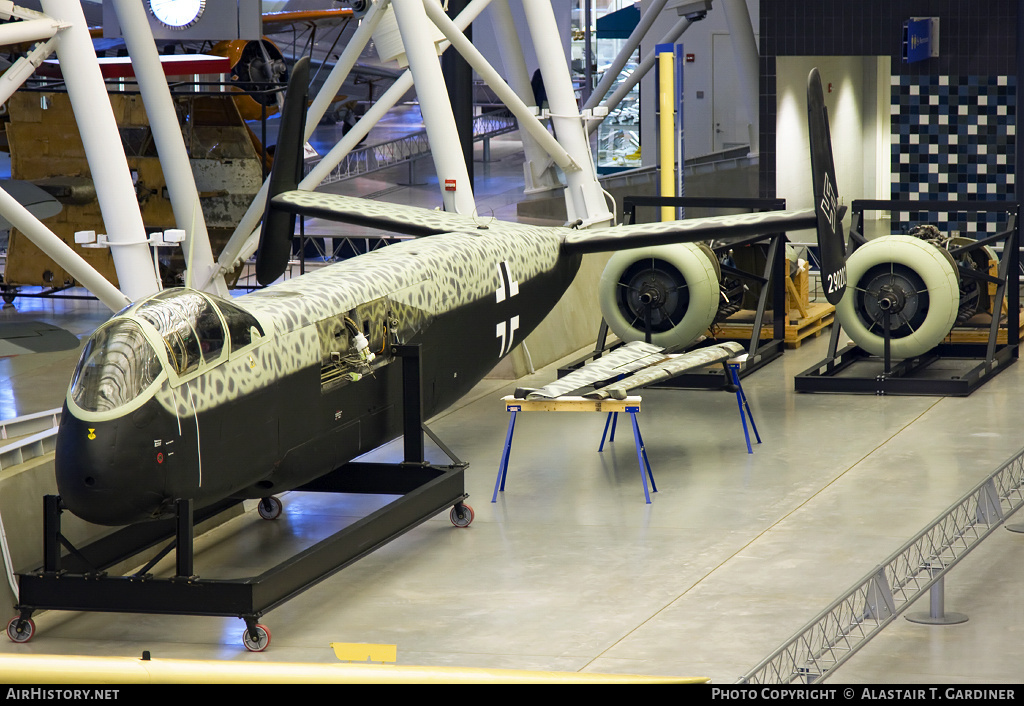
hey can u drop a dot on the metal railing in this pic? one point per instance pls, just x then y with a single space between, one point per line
38 432
409 148
835 634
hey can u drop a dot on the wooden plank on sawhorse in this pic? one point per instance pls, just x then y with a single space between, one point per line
629 405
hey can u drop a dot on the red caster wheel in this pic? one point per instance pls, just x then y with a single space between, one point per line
462 515
270 508
21 629
260 642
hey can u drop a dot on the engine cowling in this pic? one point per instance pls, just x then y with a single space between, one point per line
913 281
677 284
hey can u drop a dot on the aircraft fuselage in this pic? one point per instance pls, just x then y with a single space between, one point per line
290 398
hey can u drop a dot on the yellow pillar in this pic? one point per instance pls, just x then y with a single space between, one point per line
667 127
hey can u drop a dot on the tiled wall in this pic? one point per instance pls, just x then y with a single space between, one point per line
953 138
973 82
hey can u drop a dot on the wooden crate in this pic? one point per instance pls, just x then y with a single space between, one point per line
805 319
977 330
798 328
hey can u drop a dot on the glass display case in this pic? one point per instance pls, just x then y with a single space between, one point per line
618 135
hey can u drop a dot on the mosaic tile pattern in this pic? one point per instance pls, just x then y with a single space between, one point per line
953 139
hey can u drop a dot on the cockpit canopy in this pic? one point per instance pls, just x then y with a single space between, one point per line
120 360
117 365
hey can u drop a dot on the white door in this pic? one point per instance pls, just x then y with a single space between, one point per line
728 119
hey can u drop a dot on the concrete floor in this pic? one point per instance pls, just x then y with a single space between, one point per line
570 570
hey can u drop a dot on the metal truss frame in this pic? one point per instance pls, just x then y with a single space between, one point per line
853 370
760 351
834 635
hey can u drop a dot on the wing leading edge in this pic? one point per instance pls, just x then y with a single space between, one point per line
398 218
412 220
688 231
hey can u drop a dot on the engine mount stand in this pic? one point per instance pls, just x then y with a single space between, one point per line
948 369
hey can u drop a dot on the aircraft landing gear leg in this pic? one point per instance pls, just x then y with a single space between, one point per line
270 508
21 628
256 637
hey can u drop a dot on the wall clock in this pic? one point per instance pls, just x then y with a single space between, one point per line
177 14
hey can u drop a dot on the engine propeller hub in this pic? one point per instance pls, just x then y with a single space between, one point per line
651 295
891 299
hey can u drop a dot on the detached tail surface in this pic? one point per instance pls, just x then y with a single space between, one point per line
831 239
279 226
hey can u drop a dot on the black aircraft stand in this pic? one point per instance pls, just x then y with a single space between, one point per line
79 580
852 370
759 352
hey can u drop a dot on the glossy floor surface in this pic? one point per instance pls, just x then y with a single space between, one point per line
571 570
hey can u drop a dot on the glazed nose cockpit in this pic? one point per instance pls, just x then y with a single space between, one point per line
117 365
106 467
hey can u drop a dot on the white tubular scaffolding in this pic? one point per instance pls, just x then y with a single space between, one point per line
170 146
115 190
243 241
834 635
61 35
527 120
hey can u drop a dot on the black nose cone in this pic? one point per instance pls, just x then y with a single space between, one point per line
100 480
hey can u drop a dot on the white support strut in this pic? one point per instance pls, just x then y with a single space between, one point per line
584 199
170 146
438 118
538 171
244 239
527 121
114 188
642 68
61 253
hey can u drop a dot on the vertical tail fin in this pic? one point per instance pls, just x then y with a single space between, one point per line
831 240
278 226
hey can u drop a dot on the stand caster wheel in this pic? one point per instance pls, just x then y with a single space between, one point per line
462 515
270 508
20 630
262 640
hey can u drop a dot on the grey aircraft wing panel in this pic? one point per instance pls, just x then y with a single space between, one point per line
686 231
670 368
397 218
626 359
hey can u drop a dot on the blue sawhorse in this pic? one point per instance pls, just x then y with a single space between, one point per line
732 367
630 405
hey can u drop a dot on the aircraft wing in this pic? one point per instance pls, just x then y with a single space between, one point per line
625 359
669 368
286 19
647 234
409 220
18 337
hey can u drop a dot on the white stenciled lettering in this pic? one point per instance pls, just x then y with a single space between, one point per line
835 281
829 202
